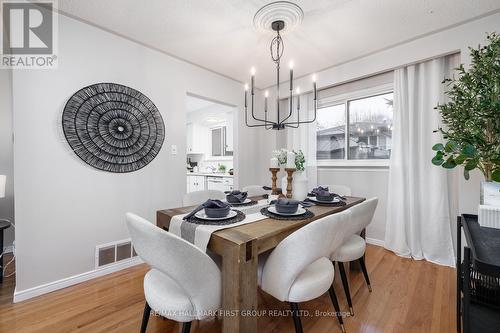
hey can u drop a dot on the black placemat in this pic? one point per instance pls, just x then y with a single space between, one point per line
308 214
327 204
251 203
240 216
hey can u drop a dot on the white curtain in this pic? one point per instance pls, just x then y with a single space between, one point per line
418 210
304 137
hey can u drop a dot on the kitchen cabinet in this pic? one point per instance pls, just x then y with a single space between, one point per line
195 183
196 139
219 141
219 183
199 182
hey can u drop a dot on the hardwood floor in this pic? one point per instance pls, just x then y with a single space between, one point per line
408 296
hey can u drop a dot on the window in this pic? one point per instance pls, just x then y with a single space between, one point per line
356 128
330 133
370 127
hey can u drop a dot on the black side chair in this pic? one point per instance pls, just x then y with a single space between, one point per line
480 292
478 278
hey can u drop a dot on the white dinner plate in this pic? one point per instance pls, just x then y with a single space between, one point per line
241 203
300 211
201 215
313 199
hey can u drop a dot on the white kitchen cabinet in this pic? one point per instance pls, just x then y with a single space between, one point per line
219 183
196 140
195 183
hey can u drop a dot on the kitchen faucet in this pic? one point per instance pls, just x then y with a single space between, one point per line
211 168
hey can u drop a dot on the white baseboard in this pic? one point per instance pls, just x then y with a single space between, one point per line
72 280
374 241
23 295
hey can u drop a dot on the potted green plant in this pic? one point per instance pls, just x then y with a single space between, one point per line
222 168
472 116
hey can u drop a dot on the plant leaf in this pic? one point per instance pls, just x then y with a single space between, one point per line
460 159
438 147
471 165
466 174
496 175
437 160
469 150
450 147
449 164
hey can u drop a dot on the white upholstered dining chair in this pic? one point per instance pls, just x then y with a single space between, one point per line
199 197
184 283
340 190
299 269
354 245
255 190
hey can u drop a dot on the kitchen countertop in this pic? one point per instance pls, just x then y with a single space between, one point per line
211 174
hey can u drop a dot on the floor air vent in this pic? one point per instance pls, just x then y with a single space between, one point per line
106 254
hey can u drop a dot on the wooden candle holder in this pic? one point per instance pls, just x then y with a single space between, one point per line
289 178
274 171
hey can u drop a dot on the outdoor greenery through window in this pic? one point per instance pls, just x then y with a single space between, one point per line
367 122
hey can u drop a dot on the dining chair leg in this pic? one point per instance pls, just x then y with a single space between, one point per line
335 302
345 283
186 327
296 318
145 317
365 272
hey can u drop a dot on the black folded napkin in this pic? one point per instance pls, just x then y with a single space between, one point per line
207 204
283 201
237 195
323 191
306 204
269 188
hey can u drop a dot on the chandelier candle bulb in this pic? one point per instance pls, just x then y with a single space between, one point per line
298 99
246 91
266 94
252 71
314 86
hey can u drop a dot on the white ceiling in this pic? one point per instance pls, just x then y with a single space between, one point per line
219 34
206 112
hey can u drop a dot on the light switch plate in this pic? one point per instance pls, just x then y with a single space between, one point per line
173 149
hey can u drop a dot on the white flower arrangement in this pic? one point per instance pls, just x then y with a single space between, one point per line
280 155
300 159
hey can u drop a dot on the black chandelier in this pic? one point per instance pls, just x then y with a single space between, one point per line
277 47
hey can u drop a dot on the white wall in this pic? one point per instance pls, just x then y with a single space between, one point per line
64 208
6 154
373 182
364 182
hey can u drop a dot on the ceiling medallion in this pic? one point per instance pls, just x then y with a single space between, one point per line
285 11
274 17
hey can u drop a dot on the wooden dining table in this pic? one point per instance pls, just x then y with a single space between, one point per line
239 248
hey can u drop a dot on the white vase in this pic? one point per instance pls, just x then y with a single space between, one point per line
299 185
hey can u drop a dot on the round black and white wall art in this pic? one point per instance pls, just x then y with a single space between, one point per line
113 127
